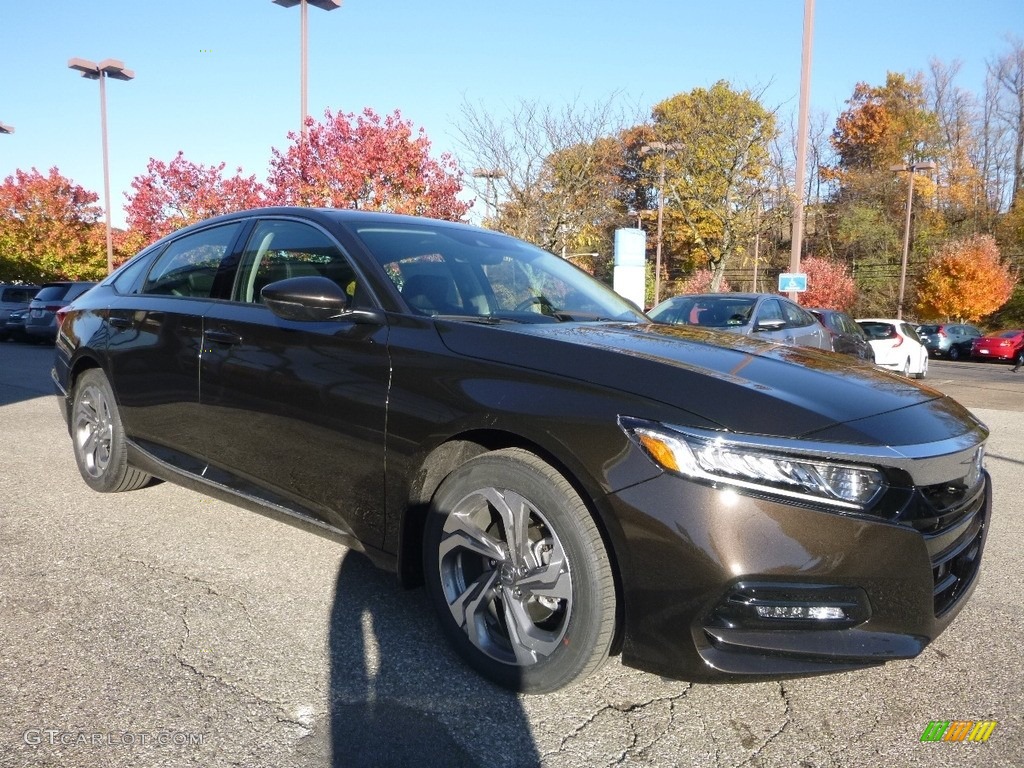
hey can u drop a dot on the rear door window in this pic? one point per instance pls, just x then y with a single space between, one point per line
190 265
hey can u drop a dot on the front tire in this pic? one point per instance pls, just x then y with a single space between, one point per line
518 573
98 437
954 353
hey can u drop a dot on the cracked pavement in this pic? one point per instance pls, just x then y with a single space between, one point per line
162 612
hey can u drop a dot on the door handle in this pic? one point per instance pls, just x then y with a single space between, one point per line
222 337
121 322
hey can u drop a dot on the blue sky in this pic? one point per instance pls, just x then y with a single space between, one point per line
219 79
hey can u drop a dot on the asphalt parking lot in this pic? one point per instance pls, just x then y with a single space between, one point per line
162 628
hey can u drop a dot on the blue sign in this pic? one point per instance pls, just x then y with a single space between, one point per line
792 281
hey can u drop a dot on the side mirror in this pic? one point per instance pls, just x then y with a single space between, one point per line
769 325
315 299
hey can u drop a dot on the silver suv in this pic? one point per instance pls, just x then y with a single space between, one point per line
41 320
950 339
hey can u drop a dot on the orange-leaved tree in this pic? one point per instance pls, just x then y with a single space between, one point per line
829 284
49 229
966 280
363 161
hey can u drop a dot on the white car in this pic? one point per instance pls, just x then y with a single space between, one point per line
896 345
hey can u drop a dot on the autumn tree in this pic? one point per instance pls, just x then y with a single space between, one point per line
966 280
716 156
1007 71
700 282
829 284
172 195
366 162
551 176
49 229
883 127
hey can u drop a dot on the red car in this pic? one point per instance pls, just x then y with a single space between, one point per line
1005 345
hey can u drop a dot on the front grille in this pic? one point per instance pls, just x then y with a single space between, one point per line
954 536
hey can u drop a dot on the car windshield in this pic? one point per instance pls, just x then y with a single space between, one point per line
1008 334
706 311
929 329
456 272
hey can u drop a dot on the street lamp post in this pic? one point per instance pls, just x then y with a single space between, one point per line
490 174
327 5
911 169
101 71
663 148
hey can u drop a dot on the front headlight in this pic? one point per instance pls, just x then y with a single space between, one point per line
728 460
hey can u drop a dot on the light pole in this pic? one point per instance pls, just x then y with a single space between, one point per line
663 148
5 128
327 5
101 71
490 174
911 169
801 141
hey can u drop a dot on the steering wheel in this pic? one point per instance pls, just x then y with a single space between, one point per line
546 308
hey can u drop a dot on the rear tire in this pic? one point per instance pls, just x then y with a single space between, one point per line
954 353
98 437
518 573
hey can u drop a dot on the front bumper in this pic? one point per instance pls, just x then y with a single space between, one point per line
691 549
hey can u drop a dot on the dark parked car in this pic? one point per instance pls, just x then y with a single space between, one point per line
13 298
41 321
765 315
569 479
14 327
954 340
847 336
1005 345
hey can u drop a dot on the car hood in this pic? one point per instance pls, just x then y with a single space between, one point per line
739 383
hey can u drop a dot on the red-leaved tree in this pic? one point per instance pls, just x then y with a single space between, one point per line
172 195
363 161
700 282
49 229
829 284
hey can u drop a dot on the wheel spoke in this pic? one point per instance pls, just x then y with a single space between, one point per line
462 533
528 641
471 607
515 518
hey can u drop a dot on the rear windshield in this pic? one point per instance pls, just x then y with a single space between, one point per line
18 295
930 328
878 330
52 292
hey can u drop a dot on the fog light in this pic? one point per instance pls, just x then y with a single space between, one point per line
782 606
816 612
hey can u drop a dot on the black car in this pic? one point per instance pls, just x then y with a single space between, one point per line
954 340
14 327
568 479
847 336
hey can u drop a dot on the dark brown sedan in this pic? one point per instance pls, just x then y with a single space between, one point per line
568 479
